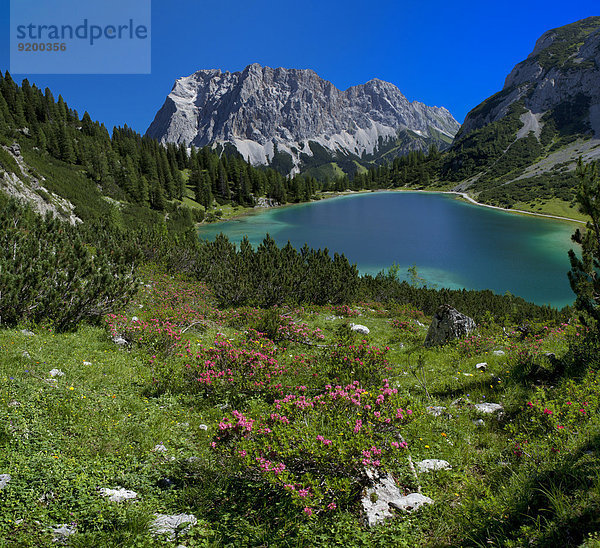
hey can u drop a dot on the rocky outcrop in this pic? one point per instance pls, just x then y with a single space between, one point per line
448 324
263 111
562 72
28 188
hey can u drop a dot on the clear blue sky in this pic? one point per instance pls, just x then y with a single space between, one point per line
452 54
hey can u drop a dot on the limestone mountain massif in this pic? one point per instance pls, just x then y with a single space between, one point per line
532 132
293 119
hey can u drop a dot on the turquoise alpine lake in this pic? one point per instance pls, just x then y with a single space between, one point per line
451 242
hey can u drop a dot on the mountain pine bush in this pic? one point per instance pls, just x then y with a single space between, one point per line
52 271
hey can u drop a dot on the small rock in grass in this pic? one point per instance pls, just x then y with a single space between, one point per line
168 524
160 448
412 501
134 319
498 352
358 328
87 363
118 339
203 427
4 479
118 495
435 410
431 465
56 373
478 422
488 407
27 332
62 532
14 403
481 366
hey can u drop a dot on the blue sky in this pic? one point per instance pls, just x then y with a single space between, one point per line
452 54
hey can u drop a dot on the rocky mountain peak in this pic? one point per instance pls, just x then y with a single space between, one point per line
263 110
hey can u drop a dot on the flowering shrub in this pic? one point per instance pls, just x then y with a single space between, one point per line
403 325
249 365
297 331
341 310
320 464
179 302
365 363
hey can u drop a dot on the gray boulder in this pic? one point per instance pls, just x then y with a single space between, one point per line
448 324
15 148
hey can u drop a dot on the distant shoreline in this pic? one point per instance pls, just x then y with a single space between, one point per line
463 195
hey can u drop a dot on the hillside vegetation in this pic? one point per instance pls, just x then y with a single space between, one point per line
262 424
224 388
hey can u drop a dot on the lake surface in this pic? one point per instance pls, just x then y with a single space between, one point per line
452 243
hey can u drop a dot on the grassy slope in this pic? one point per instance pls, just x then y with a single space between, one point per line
97 425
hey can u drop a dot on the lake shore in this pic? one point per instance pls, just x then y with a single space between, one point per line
520 211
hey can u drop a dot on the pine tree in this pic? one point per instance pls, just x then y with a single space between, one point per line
584 275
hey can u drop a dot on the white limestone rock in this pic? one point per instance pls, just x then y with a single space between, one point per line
165 524
4 480
62 532
488 407
118 495
435 410
411 502
361 329
376 500
432 465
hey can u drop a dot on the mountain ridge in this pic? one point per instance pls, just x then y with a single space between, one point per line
261 111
